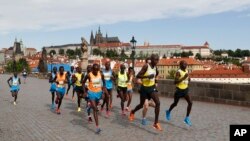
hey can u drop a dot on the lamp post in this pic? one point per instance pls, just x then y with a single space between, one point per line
133 44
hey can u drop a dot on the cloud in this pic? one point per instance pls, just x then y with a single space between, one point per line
47 15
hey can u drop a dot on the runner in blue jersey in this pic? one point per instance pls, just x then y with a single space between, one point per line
109 77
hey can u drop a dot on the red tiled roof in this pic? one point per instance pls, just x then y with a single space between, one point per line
236 73
105 45
33 49
158 46
176 61
193 47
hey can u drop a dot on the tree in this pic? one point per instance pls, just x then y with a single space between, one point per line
123 56
238 53
19 65
198 56
245 53
184 54
171 74
52 51
97 51
71 53
190 53
61 51
78 52
230 53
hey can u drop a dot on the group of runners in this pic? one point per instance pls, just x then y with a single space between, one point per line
97 84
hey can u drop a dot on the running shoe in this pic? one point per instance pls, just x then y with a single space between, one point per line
187 121
52 106
168 115
79 109
157 126
98 131
58 111
14 103
131 116
144 121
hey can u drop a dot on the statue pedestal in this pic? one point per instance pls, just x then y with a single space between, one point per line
84 64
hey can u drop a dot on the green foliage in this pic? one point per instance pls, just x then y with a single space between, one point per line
70 53
171 74
52 51
78 52
123 56
97 51
17 66
237 53
198 56
61 51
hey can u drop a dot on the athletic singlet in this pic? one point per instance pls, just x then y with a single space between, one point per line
107 77
95 83
60 79
122 79
78 79
15 81
183 84
149 82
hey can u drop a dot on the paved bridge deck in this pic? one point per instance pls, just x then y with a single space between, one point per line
32 119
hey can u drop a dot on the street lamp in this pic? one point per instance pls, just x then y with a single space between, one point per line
133 44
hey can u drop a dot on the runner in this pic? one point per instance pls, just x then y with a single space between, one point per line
14 86
181 82
53 86
148 90
77 81
130 87
109 77
61 80
70 74
148 103
122 77
88 105
24 75
95 90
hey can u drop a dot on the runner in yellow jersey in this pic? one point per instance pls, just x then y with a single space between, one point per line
77 80
148 89
122 78
181 82
130 87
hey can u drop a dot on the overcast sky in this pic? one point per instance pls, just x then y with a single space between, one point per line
223 23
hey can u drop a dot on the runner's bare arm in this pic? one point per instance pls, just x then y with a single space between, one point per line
142 72
8 81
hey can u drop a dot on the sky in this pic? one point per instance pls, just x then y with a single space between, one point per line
224 24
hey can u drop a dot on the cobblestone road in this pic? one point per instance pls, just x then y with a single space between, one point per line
32 119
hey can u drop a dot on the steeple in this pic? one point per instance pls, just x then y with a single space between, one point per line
99 30
92 39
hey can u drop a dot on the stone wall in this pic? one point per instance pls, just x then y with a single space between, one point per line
233 94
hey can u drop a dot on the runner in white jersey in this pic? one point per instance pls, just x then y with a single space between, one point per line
14 86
